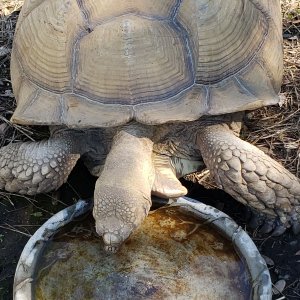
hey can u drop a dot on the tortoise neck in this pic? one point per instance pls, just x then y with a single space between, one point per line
137 130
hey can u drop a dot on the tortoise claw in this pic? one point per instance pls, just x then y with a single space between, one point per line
279 230
271 225
296 227
257 219
267 227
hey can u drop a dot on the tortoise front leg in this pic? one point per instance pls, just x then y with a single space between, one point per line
249 175
36 167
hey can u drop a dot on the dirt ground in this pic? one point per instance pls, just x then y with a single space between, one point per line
276 130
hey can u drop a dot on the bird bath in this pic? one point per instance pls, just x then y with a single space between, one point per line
186 250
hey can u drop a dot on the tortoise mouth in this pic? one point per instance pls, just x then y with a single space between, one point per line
113 233
112 242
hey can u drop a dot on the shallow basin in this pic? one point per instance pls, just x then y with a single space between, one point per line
186 250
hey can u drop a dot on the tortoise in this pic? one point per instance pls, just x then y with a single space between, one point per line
146 91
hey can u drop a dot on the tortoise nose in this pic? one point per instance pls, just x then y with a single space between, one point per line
112 242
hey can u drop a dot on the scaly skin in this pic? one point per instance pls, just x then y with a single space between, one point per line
35 167
122 196
166 184
249 175
142 160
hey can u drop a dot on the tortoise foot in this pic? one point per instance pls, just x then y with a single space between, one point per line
266 224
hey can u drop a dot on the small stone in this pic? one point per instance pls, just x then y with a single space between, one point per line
279 286
294 243
268 260
19 169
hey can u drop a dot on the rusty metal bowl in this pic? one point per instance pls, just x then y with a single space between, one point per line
186 250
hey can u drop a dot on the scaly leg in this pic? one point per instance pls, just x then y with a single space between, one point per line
37 167
249 175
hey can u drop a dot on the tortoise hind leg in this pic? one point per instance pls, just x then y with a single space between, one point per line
167 171
249 175
36 167
166 184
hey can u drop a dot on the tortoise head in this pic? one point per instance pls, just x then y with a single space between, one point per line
118 213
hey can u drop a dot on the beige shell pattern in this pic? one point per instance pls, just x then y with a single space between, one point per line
100 63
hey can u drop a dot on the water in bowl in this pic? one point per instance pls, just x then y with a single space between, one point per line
173 255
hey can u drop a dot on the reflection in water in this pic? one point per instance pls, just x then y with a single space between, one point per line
172 255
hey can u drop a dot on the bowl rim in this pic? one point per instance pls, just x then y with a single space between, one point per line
243 244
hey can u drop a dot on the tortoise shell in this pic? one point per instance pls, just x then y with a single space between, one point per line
90 63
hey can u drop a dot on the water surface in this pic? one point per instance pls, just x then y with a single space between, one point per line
172 255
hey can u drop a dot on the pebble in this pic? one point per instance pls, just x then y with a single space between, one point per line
268 260
279 286
294 243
